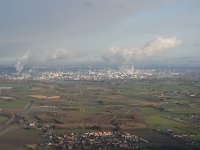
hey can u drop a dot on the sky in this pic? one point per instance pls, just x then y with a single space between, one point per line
68 32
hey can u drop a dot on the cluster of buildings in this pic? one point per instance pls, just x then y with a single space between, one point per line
90 140
195 116
96 140
92 74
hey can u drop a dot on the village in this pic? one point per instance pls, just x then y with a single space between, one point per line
96 139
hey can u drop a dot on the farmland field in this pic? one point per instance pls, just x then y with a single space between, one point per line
161 112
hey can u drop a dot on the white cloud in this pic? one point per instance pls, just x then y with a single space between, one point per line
61 54
113 55
153 47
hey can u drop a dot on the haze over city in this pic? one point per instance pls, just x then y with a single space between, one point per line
99 75
68 32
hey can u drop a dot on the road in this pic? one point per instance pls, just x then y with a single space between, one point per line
11 123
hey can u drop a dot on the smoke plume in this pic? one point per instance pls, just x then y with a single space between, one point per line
19 66
63 54
151 48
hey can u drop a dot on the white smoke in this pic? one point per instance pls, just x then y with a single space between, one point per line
61 54
153 47
19 66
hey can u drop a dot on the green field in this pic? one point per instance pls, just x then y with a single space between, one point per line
3 119
17 104
155 110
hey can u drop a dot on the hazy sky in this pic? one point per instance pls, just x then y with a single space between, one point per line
41 32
